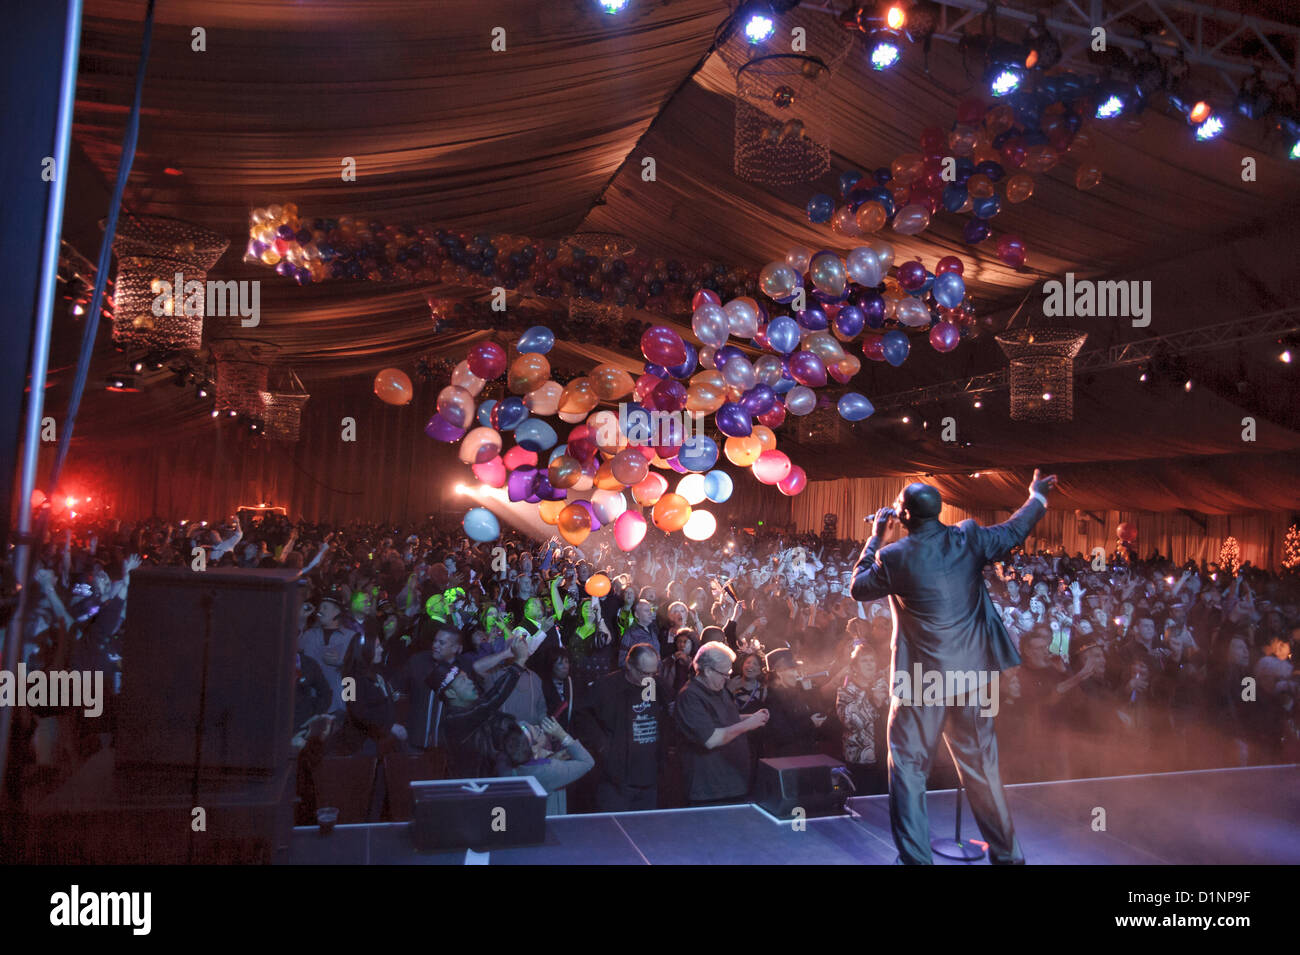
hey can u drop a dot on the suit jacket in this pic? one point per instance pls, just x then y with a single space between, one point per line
944 619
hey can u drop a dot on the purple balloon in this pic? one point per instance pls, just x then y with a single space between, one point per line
850 321
975 231
873 307
758 400
591 512
659 371
733 420
440 429
685 369
677 465
725 354
807 369
522 483
911 275
813 319
669 395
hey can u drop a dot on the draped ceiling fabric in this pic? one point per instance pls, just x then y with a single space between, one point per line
444 130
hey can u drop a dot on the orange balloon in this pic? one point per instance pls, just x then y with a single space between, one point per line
604 427
564 471
611 382
598 585
605 479
1020 187
870 216
765 435
549 511
671 512
980 186
713 379
742 452
574 523
393 387
650 490
1088 177
578 397
527 373
906 168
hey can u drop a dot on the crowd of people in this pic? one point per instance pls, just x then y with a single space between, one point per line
660 677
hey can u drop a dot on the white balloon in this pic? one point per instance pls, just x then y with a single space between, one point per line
608 505
798 258
863 266
691 487
700 526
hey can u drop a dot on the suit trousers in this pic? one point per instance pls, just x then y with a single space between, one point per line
914 733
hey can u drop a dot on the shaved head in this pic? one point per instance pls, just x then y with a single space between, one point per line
922 502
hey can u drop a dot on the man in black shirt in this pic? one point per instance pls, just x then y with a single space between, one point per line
467 718
623 721
715 753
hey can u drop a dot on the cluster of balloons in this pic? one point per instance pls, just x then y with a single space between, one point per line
986 161
308 250
863 292
511 443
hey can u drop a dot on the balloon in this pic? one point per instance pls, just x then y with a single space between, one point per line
705 295
949 263
700 526
778 281
813 319
507 414
522 483
597 585
492 473
699 453
986 207
774 418
913 218
671 512
582 443
794 482
608 505
549 511
663 346
534 434
456 405
487 360
844 223
605 479
591 514
798 258
873 346
743 452
854 407
1088 177
604 427
827 274
911 275
800 401
896 345
870 217
527 372
630 466
711 324
742 314
574 523
393 387
481 525
975 231
739 374
669 395
564 471
1020 187
544 400
783 333
718 486
480 445
705 397
1126 532
518 457
864 267
440 429
484 413
462 377
945 336
845 369
772 467
629 530
579 397
820 208
757 400
650 490
913 313
949 289
733 420
1011 250
979 186
807 369
610 383
538 340
849 322
725 354
691 488
765 436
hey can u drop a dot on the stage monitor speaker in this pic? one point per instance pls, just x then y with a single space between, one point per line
478 814
810 783
210 654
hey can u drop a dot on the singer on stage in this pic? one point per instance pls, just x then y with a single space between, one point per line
946 624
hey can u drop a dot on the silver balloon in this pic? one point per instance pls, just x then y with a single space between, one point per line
913 313
742 314
738 373
884 254
864 267
797 258
767 369
827 273
911 219
800 400
706 357
778 281
711 325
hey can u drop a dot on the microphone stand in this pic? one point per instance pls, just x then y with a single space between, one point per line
956 848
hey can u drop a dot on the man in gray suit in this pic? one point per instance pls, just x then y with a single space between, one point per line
945 625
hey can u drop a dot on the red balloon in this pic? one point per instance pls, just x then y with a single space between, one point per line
794 482
487 360
705 295
1127 533
945 336
582 443
873 347
949 263
933 141
773 418
663 346
1011 250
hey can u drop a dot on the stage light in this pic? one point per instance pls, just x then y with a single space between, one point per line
1285 357
1253 99
1187 385
1044 50
895 17
1047 396
1142 377
978 403
71 502
1199 112
885 50
137 367
760 22
1209 129
201 391
1004 81
906 420
461 489
216 413
232 413
1290 130
613 6
1111 107
77 309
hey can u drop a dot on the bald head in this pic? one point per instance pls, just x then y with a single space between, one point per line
919 502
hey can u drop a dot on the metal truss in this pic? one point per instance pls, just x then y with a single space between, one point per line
1208 338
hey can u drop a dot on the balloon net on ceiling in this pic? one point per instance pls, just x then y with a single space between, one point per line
1042 372
282 414
779 139
242 373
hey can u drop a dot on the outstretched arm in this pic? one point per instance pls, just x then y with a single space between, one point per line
870 579
1000 538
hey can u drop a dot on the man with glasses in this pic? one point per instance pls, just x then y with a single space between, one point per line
622 720
715 753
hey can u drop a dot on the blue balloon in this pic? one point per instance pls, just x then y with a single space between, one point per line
485 412
854 407
850 321
783 334
698 453
556 451
813 319
949 289
725 354
784 385
718 486
733 420
848 180
537 340
986 207
534 434
820 208
659 371
991 169
886 198
759 400
896 345
512 411
954 196
685 369
481 525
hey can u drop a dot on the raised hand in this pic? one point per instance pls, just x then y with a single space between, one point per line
1042 485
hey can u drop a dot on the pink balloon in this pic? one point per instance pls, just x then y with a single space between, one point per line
487 360
705 295
629 530
794 482
772 467
945 336
663 346
518 457
773 418
492 473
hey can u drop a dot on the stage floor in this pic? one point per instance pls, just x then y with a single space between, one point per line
1230 816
